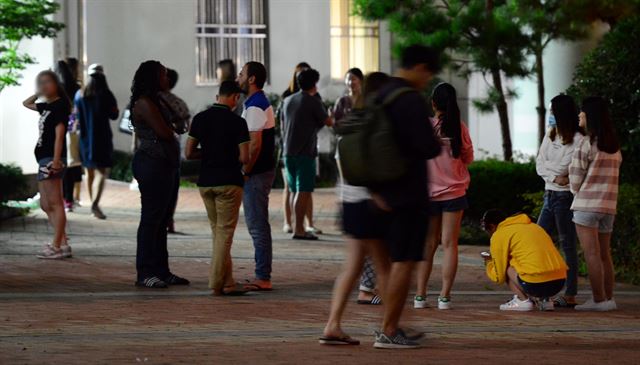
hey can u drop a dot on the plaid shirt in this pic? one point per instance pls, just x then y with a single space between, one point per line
593 177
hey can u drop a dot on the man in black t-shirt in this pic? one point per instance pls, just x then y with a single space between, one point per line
223 137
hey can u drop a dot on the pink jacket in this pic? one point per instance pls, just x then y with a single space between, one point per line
448 176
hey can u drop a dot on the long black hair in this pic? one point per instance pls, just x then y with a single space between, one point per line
146 81
599 124
69 83
96 86
445 100
567 122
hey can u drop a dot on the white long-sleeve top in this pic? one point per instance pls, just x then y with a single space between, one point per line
554 159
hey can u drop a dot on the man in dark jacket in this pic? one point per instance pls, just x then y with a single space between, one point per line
405 201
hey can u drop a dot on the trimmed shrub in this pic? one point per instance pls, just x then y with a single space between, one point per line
121 169
13 182
503 185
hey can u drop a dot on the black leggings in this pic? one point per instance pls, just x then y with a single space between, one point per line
72 175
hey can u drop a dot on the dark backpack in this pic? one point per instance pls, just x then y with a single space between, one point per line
369 151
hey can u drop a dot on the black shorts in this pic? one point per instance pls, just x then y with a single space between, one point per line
542 290
405 233
73 174
452 205
362 220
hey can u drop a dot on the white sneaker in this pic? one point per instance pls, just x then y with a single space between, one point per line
66 251
591 305
546 305
420 302
612 304
517 305
50 253
444 303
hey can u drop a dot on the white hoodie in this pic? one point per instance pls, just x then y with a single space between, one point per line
554 159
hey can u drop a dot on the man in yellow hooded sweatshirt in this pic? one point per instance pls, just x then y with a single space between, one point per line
524 256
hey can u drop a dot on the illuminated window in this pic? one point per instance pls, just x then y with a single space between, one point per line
354 42
229 29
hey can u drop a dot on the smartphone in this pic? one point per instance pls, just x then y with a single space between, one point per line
485 254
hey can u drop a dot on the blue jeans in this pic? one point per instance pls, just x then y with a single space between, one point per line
556 212
256 215
156 180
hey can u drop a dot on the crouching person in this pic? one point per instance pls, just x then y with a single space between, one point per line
524 256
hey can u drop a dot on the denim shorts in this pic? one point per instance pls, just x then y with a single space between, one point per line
452 205
44 170
603 222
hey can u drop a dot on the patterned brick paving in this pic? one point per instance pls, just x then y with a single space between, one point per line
86 310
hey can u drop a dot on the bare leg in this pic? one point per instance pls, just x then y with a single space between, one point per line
425 267
309 214
301 206
607 264
395 295
591 246
91 173
102 177
512 281
451 222
76 191
344 285
51 193
286 199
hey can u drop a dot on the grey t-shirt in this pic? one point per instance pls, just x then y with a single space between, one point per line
303 116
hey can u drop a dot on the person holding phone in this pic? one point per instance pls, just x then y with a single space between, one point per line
54 107
523 255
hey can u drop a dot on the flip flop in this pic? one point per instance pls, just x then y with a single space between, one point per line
249 286
376 300
305 237
236 291
338 340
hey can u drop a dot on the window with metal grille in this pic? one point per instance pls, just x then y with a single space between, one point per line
229 29
354 41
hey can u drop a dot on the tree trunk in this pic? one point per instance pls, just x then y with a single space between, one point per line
542 125
503 114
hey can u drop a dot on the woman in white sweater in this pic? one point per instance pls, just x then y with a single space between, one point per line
552 165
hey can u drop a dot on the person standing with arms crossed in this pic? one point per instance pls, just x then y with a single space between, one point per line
259 171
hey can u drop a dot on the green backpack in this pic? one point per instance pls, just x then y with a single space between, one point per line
368 148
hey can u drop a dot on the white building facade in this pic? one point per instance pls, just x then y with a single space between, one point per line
190 36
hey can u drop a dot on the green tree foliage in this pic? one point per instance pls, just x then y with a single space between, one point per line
479 35
544 21
612 70
22 19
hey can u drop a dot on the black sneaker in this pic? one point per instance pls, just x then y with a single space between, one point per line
176 280
398 341
412 334
152 282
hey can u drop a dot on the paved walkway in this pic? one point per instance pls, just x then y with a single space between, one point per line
86 310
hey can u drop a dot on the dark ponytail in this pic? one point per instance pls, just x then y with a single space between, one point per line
445 100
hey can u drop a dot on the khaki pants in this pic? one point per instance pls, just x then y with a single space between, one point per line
223 205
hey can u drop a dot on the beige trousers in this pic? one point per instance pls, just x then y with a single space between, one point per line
223 205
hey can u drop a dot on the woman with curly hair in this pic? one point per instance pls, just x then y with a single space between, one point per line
155 165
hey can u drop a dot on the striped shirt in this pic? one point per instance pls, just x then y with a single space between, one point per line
593 176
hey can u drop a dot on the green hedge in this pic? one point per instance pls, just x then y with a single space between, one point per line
503 185
13 182
121 169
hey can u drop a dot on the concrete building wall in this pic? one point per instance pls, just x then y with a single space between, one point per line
19 125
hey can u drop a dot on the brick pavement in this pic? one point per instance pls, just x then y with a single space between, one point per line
86 310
